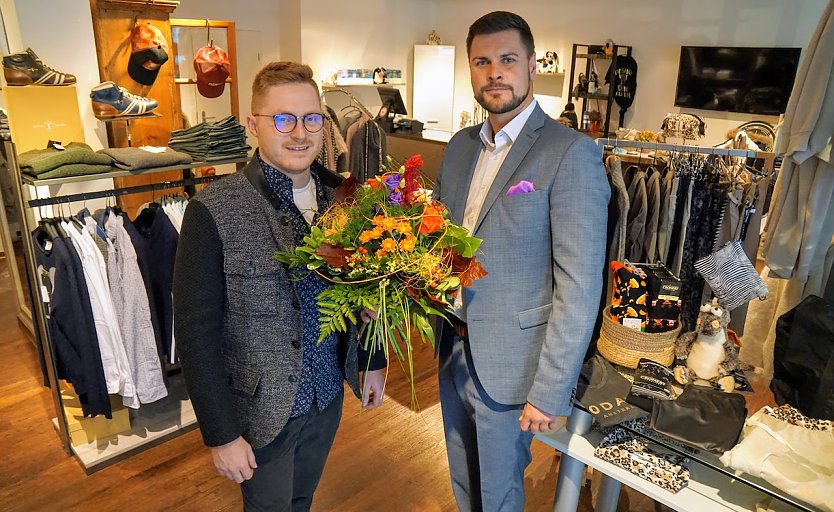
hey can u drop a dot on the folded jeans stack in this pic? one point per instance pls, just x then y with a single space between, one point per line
56 161
211 142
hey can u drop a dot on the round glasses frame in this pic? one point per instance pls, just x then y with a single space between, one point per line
285 122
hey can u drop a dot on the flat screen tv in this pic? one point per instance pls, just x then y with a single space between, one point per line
736 79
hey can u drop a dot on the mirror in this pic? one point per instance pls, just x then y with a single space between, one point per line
11 238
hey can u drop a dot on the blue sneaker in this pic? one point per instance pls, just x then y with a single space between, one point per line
110 100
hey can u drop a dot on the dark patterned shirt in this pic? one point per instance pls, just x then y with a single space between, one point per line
321 375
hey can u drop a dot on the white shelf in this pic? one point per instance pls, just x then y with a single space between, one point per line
151 425
707 490
337 86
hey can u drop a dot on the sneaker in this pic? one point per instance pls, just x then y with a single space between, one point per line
25 68
110 100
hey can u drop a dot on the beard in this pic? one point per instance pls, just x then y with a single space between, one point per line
498 106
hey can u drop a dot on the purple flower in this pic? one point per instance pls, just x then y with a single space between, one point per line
522 187
393 181
395 198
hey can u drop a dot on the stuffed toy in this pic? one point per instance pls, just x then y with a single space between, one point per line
609 47
380 76
548 64
707 355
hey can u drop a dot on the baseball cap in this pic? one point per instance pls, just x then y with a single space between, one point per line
149 51
213 68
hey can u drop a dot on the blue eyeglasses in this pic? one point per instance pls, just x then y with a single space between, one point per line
285 122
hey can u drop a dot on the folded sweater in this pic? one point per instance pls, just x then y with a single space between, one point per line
39 161
133 159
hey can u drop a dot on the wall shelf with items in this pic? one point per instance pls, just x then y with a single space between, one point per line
560 74
585 52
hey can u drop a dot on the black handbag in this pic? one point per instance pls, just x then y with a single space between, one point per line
803 359
701 417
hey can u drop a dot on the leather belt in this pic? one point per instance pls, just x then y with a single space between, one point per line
460 329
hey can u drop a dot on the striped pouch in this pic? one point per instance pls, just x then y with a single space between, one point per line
731 276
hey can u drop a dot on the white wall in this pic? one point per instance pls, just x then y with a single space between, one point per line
655 30
72 20
336 34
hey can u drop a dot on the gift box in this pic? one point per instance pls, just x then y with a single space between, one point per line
628 305
664 304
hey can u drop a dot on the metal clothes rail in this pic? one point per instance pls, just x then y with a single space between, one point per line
84 196
682 148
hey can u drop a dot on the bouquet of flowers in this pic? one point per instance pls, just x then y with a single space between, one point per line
387 246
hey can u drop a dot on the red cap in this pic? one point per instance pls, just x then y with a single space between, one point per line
213 68
149 51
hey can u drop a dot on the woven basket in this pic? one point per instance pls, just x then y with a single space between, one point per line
625 347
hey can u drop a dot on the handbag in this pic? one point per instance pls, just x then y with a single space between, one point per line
731 276
701 417
803 358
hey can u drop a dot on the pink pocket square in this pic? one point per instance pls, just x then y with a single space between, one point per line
522 187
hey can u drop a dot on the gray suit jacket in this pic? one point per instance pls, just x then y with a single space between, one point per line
530 320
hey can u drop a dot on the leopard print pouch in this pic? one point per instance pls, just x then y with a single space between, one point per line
626 451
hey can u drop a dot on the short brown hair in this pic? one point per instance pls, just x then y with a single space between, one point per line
499 21
279 73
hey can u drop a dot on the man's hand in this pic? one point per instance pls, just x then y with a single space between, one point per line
374 389
368 314
235 460
536 421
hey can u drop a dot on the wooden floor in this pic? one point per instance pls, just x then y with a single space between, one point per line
389 459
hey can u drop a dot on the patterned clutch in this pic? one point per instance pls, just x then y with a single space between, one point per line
624 450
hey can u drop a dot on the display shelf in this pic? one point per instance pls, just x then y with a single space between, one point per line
194 80
601 56
594 96
146 115
559 74
337 86
29 180
707 489
151 425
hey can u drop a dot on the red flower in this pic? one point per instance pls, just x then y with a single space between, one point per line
414 163
412 172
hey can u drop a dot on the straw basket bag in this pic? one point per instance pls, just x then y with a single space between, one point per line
625 346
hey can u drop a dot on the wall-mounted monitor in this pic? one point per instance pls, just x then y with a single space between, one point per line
736 79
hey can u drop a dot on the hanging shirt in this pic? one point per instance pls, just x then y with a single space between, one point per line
131 305
113 357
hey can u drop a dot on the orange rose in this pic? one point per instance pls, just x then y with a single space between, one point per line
432 220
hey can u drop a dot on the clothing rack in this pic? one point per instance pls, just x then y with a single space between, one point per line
764 169
84 196
358 104
166 420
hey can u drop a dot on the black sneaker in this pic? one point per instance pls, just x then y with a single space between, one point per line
110 100
25 68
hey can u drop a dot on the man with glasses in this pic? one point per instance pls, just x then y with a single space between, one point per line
267 396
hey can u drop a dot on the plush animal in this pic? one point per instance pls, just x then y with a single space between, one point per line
548 64
380 76
709 355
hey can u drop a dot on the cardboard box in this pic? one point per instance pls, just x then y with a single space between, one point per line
86 430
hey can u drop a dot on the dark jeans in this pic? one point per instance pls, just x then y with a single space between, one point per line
289 468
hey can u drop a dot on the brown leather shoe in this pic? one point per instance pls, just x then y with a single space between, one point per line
25 68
